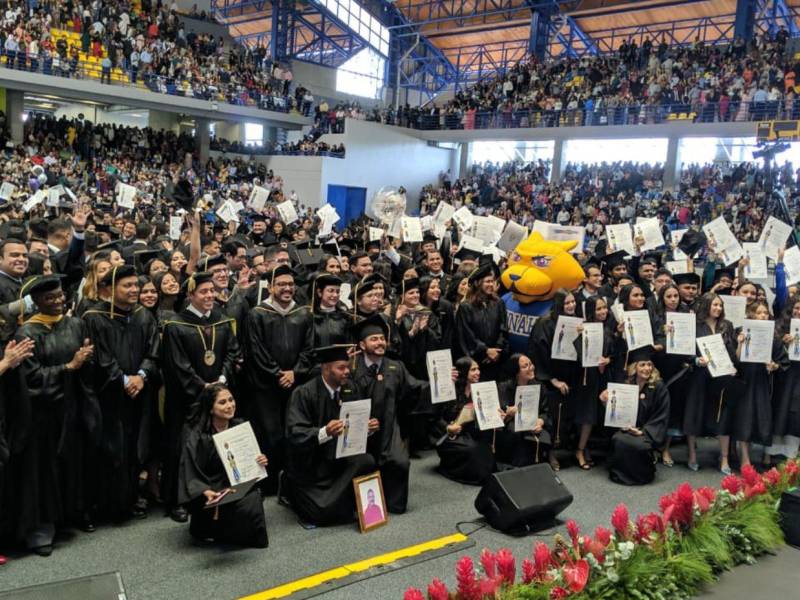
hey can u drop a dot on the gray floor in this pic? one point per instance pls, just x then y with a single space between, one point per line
158 560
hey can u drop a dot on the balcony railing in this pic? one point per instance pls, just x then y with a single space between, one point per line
142 79
630 114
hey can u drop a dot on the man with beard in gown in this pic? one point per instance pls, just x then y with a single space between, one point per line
199 347
481 322
126 343
278 344
48 471
393 392
319 486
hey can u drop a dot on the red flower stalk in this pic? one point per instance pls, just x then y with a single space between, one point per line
602 535
557 593
542 559
750 475
506 566
620 520
758 489
437 590
467 584
732 484
488 587
684 504
528 571
576 575
704 498
773 477
413 594
574 531
488 563
792 470
597 548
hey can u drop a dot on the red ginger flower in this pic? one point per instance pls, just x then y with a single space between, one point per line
413 594
574 531
597 548
467 584
758 489
557 593
542 559
488 587
620 520
772 477
704 498
576 575
750 475
792 470
684 504
488 563
528 571
732 484
437 590
602 535
506 566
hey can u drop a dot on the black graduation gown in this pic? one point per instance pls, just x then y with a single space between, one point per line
393 343
413 350
392 389
446 313
630 461
467 457
480 328
123 345
752 413
274 343
586 407
241 522
540 345
47 472
675 369
786 401
520 449
186 374
331 327
235 307
319 485
9 292
709 400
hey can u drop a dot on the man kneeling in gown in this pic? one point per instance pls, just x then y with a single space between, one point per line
632 460
318 485
202 478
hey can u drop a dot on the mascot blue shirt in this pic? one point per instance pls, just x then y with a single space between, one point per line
521 318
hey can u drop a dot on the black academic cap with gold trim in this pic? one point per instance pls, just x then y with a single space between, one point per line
335 353
117 274
373 325
277 272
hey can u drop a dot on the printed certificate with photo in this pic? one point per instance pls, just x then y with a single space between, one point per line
757 343
486 403
526 399
793 347
622 405
712 348
440 367
238 449
637 329
353 439
756 268
735 307
592 344
563 346
680 331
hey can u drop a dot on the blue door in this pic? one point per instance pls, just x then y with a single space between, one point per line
349 202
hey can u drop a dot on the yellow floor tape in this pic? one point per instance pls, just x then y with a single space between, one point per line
312 581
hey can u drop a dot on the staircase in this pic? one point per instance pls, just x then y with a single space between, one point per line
89 65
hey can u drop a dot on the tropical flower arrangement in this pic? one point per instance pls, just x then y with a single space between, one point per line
669 554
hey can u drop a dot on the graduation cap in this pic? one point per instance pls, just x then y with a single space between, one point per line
112 245
38 227
212 261
692 242
305 253
651 258
195 279
485 268
323 280
721 272
257 217
686 278
182 194
255 251
362 287
430 237
116 274
614 259
277 272
465 253
334 353
144 258
373 325
408 284
640 354
41 284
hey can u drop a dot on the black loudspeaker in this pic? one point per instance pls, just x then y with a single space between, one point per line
522 500
789 510
107 586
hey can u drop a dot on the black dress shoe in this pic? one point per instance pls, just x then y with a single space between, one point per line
179 515
87 525
137 512
45 550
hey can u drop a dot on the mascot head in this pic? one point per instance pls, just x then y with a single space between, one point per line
538 268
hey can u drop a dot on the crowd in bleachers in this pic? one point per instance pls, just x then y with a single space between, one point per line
116 43
642 83
304 147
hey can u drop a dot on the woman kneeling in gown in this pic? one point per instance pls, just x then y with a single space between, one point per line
465 452
632 459
203 478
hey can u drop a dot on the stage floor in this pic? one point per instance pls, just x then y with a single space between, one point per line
157 558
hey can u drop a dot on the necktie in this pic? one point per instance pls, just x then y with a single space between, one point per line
336 397
373 370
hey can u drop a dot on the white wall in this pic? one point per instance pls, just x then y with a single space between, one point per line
95 114
378 156
229 130
322 83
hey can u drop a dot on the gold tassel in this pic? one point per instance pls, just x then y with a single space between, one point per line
537 449
494 437
719 412
585 375
216 513
558 425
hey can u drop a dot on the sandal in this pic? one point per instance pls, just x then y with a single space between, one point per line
554 464
582 462
588 456
667 460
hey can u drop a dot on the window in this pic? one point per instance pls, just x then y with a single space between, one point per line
253 134
362 75
360 22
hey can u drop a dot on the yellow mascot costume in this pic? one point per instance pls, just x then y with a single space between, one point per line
537 268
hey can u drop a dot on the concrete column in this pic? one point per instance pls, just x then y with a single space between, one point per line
463 160
672 165
558 160
270 134
203 138
15 105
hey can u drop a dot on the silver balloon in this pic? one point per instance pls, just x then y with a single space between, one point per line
42 179
387 205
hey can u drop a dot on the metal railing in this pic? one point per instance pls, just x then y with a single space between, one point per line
630 114
142 79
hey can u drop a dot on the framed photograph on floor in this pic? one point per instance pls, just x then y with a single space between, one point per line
370 502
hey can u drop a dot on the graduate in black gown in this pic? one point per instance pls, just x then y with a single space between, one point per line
431 294
521 448
318 485
465 452
752 414
633 450
232 304
786 398
331 320
125 361
199 347
419 328
279 340
482 324
203 477
393 391
48 475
